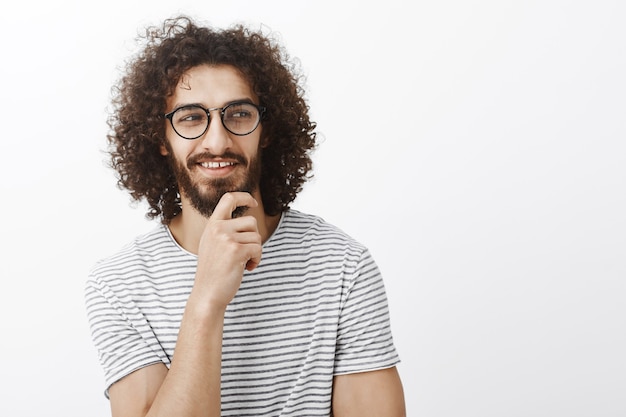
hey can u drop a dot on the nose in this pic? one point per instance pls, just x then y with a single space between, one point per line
216 139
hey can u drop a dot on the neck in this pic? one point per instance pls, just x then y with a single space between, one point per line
187 227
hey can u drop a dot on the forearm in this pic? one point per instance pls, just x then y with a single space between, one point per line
192 385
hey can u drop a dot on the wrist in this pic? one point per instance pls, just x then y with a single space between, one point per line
204 308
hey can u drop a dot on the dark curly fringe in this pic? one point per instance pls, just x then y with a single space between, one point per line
139 99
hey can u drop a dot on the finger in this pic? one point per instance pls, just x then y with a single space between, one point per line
252 263
242 224
247 237
230 201
254 260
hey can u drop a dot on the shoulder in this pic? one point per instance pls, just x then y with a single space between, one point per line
141 252
303 227
303 237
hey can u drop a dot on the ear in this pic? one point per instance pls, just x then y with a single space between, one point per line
163 150
265 142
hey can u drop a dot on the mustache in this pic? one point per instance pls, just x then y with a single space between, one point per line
195 159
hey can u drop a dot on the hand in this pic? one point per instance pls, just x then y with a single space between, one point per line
227 247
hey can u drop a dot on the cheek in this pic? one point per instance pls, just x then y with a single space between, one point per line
174 147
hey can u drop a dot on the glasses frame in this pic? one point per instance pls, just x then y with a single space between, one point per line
222 110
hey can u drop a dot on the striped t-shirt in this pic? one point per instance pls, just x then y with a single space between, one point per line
314 308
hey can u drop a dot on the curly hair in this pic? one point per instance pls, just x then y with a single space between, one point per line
137 125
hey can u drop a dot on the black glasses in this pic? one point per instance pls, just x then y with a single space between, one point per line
191 122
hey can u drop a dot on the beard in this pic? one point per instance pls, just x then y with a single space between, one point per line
205 193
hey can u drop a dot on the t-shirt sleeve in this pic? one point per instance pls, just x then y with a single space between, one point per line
120 333
364 339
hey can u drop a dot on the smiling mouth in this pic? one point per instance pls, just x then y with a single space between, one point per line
214 165
219 163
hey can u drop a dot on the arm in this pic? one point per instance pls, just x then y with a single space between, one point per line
191 387
369 394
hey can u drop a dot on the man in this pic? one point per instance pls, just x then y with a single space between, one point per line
235 305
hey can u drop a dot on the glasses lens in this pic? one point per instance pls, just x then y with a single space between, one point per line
190 122
241 118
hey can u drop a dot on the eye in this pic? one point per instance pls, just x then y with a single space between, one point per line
240 111
190 115
241 114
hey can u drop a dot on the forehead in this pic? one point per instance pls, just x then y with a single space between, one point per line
212 86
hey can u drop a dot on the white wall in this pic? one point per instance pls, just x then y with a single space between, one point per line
477 147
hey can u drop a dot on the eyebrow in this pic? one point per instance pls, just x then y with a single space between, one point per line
239 100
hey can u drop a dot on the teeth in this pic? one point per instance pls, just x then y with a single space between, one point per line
216 164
